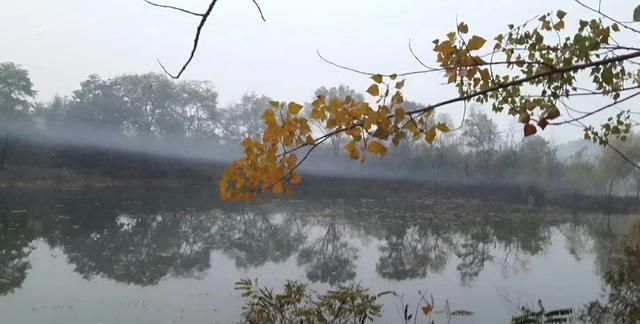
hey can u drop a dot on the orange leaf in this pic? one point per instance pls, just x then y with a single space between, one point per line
529 130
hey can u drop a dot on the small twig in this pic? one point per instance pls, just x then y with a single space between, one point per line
259 9
174 8
595 111
196 40
417 58
429 70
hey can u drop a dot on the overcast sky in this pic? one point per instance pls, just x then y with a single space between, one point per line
61 42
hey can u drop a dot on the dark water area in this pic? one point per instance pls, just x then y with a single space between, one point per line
172 255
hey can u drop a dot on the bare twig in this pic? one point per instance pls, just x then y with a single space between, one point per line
596 111
430 69
417 58
174 8
259 9
196 40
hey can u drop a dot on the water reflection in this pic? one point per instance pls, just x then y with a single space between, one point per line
141 239
15 247
329 258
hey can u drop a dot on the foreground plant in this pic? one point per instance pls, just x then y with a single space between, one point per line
299 304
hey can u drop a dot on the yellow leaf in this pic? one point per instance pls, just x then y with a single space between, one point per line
309 140
373 90
354 155
377 78
278 188
463 28
444 47
426 310
475 43
269 117
397 137
274 104
294 108
399 115
295 178
453 76
291 161
412 127
397 98
442 127
430 136
559 25
350 147
376 148
318 114
318 102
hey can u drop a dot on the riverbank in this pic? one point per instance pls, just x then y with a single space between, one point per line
325 187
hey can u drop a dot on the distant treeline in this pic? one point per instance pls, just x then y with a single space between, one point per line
149 126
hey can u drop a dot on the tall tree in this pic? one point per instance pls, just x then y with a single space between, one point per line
16 93
244 119
481 135
197 108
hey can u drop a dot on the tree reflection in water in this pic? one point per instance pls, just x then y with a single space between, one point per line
144 243
330 258
411 252
15 248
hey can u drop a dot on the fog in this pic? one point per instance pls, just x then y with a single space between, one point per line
61 42
80 137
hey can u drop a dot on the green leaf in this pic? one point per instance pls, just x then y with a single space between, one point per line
615 28
636 14
377 78
561 14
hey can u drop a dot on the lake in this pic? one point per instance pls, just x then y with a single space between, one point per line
162 255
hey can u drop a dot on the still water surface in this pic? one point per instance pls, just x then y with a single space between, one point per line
173 256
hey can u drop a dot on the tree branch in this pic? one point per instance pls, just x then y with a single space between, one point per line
595 111
196 40
417 58
174 8
470 96
259 9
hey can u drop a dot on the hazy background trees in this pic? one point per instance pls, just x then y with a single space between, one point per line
93 128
